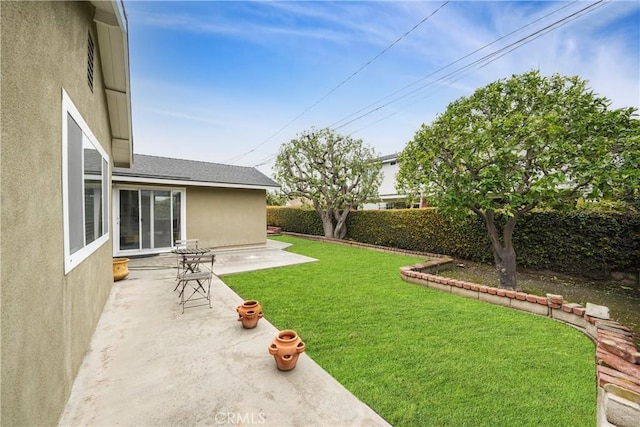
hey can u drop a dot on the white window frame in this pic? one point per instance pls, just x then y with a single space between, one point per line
75 259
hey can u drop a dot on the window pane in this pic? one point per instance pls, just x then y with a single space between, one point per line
74 179
145 218
92 193
162 219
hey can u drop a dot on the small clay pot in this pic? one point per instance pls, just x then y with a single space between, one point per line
285 348
249 313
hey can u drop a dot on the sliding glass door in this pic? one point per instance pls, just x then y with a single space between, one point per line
149 219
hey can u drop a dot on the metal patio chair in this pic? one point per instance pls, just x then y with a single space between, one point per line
196 280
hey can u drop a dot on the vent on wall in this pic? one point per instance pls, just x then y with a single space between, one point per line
90 53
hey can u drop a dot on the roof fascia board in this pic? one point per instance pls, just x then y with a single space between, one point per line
122 15
106 18
111 15
117 178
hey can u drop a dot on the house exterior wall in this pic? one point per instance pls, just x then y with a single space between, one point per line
47 317
226 217
387 190
388 186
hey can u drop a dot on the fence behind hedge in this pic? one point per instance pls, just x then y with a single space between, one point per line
587 243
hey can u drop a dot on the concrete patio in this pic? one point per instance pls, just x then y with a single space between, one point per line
149 364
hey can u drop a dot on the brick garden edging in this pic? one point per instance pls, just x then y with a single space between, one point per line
273 231
617 359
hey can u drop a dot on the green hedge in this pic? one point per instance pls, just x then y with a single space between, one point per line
593 244
305 221
420 230
587 243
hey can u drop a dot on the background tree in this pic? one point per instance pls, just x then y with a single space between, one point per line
516 144
628 190
276 198
336 173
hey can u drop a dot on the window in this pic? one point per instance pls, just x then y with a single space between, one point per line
85 187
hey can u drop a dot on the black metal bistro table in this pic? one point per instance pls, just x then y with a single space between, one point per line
188 259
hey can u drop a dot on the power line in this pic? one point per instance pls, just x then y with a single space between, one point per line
519 43
382 52
487 59
266 160
450 64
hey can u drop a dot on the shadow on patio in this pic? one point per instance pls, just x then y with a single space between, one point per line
149 364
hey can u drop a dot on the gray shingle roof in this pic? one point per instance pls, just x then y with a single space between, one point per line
166 168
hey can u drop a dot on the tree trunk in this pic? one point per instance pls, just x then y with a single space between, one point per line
327 219
504 253
327 225
341 223
506 267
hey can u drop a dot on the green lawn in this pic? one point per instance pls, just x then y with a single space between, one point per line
421 357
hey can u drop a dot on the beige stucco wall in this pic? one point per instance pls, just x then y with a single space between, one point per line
226 217
47 318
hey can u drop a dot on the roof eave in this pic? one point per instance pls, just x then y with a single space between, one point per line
389 158
187 183
112 29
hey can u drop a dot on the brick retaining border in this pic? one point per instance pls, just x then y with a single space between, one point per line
617 359
273 231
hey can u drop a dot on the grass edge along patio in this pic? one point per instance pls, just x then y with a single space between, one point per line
422 357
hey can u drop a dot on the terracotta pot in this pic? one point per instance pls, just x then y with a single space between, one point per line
285 348
120 268
249 313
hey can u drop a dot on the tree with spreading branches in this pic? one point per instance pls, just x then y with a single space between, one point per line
517 144
336 173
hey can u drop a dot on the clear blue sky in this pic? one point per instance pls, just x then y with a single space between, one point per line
214 81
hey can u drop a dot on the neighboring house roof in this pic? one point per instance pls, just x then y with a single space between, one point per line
113 41
388 157
165 170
